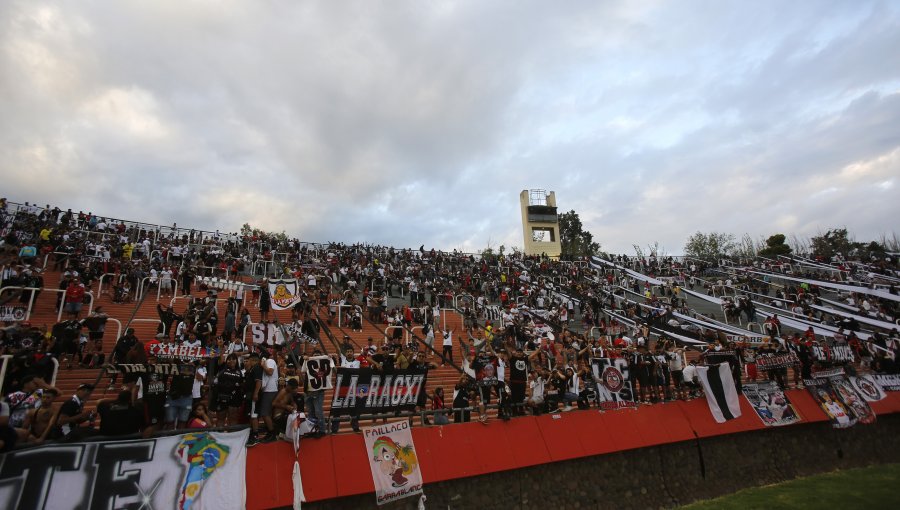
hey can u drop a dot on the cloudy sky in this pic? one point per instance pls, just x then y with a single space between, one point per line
420 122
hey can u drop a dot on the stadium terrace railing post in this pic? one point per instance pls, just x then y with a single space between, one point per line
30 303
411 331
62 305
471 299
100 286
5 358
388 328
55 371
147 320
118 326
139 291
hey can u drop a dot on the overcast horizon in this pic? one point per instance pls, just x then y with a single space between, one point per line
407 123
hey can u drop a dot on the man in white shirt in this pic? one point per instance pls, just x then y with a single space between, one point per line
536 388
199 381
269 390
165 281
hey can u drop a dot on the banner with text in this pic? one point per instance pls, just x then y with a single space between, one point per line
887 382
614 390
284 294
770 403
365 391
834 354
318 370
393 461
266 334
181 352
201 470
10 313
766 362
157 368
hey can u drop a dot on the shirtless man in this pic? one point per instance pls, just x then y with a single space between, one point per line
41 422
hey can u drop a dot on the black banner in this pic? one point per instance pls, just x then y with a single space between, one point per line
773 361
835 354
366 391
159 368
713 357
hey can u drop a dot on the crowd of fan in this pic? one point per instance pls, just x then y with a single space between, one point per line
519 315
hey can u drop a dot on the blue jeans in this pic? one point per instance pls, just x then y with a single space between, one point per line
315 405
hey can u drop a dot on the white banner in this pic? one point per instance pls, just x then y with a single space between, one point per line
200 470
887 382
393 461
318 371
266 334
284 294
12 313
867 387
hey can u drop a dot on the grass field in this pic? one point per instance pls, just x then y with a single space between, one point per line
869 488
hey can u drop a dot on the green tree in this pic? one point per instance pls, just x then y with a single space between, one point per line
573 239
835 241
710 246
775 246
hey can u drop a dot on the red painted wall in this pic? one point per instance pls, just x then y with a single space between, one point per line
336 466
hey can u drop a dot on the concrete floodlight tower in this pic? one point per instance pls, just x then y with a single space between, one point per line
540 224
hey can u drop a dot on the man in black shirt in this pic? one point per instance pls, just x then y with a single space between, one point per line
72 413
154 396
253 390
383 360
119 417
518 379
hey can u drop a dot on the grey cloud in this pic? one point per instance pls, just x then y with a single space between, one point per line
421 123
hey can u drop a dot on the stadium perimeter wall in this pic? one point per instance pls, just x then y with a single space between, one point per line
655 456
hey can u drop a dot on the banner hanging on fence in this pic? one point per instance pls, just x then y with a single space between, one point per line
393 461
767 362
365 391
614 390
147 368
771 404
284 293
721 394
867 388
182 352
855 402
834 354
887 382
13 313
840 401
201 470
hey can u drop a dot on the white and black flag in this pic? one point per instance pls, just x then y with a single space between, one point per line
721 395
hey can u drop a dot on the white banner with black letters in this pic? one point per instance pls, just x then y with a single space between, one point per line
199 470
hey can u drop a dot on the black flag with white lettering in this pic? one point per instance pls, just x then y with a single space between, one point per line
365 391
721 395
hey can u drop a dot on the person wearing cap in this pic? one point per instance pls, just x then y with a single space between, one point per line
72 413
